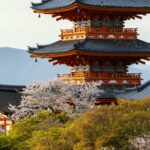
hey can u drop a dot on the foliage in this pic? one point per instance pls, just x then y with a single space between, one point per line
55 96
4 142
44 123
114 127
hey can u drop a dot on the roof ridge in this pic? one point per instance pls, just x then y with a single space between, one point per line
94 45
55 4
42 2
11 87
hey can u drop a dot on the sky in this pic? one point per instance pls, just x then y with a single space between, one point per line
20 27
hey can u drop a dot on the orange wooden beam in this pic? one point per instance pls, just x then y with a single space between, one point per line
60 18
102 54
142 62
139 17
51 60
55 15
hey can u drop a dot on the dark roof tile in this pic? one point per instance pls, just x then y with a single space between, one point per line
9 94
139 92
54 4
107 95
94 45
11 87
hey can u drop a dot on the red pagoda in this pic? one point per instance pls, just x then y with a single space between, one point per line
99 48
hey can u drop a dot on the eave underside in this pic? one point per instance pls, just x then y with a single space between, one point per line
79 11
72 60
74 10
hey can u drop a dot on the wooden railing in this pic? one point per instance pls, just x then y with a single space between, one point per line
99 33
105 78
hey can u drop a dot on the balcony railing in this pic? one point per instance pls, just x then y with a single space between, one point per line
105 78
99 33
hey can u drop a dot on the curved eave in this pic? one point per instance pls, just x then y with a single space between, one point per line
89 7
79 52
139 92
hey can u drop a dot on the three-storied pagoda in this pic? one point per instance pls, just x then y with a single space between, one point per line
99 47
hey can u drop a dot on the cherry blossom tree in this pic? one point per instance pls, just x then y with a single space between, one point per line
141 142
56 96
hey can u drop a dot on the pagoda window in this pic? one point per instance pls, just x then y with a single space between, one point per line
82 23
96 23
107 23
108 68
80 69
118 23
95 68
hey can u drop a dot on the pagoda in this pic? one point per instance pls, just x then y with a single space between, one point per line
98 48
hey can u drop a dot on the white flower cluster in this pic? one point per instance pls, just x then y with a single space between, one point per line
141 142
56 96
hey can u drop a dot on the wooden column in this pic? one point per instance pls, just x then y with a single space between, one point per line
5 126
89 73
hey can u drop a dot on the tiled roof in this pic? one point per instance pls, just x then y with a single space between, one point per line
137 92
107 95
94 45
54 4
143 86
11 87
9 95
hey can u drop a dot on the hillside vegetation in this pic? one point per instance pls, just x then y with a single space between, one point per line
114 127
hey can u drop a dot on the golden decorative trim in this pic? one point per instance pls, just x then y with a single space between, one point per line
99 33
105 78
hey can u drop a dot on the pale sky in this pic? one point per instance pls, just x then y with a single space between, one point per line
20 27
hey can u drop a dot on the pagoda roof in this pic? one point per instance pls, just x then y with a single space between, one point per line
56 4
107 95
92 46
139 92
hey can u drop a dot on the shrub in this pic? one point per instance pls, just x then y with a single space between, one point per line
103 127
112 126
